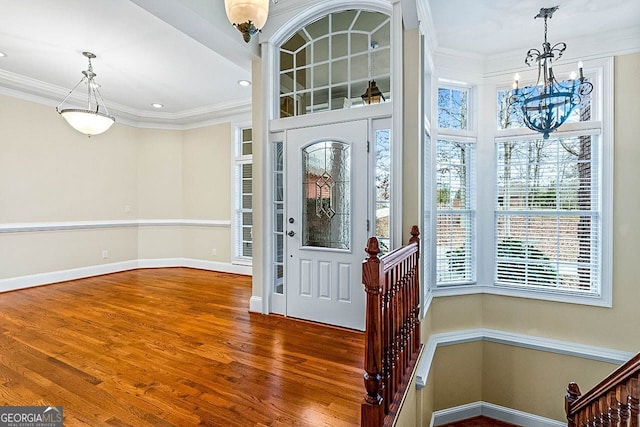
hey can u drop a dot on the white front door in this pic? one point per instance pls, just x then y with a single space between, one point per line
326 223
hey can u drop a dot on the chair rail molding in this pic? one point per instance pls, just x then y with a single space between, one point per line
566 348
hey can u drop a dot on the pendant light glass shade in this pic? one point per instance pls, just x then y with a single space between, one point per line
89 121
372 95
248 16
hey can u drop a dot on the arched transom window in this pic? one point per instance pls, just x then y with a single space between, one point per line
327 65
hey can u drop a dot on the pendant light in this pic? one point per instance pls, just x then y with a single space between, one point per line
372 95
248 16
546 105
89 121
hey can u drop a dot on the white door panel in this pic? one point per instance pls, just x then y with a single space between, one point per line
327 223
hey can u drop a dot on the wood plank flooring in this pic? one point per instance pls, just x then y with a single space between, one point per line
173 347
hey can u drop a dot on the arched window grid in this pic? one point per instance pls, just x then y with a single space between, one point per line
330 70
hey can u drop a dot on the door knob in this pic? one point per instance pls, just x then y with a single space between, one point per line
291 233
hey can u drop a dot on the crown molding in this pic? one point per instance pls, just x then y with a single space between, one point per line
28 89
597 46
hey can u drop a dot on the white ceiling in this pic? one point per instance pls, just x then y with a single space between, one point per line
185 55
493 27
141 59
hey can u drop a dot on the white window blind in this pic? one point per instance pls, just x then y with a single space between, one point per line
547 214
455 212
244 196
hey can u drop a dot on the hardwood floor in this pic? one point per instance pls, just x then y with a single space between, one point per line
163 347
480 422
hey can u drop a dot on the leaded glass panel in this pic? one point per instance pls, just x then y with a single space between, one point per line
326 195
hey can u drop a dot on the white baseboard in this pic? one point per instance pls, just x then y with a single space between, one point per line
217 266
255 304
29 281
23 282
497 412
451 415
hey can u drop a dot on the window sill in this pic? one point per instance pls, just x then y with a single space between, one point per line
245 262
603 300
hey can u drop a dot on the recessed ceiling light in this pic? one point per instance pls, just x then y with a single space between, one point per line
244 83
157 105
2 54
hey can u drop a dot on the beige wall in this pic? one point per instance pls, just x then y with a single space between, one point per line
411 134
206 170
535 381
159 173
51 173
39 151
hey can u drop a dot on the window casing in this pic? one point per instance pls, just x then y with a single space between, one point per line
455 212
547 207
455 188
243 181
453 107
543 228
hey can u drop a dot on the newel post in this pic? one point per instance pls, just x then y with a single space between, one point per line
372 408
415 233
573 393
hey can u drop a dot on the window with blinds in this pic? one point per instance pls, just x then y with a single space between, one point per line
547 213
455 212
244 196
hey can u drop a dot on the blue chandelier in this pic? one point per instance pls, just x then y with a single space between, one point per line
547 105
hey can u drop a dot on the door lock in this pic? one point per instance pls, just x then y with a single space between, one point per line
290 220
291 233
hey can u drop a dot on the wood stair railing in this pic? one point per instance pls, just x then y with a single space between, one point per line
392 326
614 402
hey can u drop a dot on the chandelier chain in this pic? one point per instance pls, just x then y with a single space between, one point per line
545 33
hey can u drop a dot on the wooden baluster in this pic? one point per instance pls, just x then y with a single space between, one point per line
614 415
634 401
573 393
623 403
396 329
405 316
604 411
388 328
391 321
597 414
372 408
408 311
588 416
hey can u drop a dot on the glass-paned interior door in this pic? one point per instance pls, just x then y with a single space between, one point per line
326 223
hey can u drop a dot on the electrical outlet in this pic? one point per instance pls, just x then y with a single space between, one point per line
214 252
105 254
127 208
